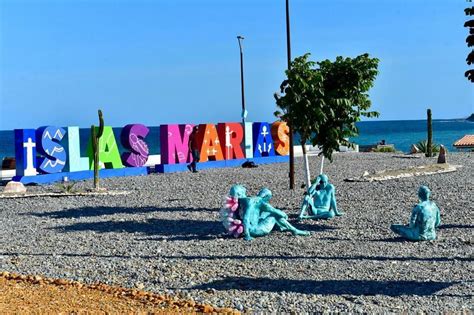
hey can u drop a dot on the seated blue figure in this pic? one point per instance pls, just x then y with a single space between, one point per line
320 200
258 216
424 219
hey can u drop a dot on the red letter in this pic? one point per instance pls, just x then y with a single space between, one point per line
231 136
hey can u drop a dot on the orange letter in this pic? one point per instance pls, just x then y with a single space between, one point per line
211 147
280 131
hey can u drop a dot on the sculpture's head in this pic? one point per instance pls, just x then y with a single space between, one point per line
195 128
424 193
238 191
265 194
322 181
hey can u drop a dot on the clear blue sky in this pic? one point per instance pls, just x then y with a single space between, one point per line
177 61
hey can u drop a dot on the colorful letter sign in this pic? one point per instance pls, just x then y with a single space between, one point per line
231 136
109 155
174 143
262 140
211 147
280 131
75 161
51 150
25 152
133 139
54 155
248 140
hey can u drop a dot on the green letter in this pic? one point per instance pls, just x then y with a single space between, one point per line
109 155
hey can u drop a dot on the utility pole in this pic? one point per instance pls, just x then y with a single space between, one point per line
288 50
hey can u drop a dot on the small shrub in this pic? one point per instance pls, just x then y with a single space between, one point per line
423 147
384 150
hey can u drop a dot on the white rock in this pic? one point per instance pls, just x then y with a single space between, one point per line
14 188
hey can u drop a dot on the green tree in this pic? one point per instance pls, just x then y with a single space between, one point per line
323 103
469 74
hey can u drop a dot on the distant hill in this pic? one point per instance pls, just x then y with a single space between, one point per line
470 118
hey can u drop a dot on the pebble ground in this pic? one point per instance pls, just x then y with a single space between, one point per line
165 237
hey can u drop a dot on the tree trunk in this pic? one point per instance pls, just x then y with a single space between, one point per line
307 173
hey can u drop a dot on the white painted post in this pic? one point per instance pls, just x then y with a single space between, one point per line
322 165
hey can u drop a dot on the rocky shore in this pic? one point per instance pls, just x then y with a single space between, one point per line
164 236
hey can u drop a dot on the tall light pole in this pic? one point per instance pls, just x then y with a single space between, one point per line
288 50
240 39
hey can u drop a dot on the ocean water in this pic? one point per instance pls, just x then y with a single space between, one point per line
402 134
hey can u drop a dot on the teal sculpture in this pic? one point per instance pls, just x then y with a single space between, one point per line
424 219
320 200
253 216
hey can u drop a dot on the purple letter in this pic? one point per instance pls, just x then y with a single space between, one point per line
174 143
133 139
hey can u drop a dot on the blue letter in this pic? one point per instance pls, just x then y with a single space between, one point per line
25 152
262 140
75 161
54 154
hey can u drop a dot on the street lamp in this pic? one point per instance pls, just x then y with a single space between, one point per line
244 114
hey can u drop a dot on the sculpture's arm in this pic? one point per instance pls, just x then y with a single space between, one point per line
246 223
268 208
414 215
438 218
333 203
312 189
307 202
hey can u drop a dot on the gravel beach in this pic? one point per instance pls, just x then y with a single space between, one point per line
165 236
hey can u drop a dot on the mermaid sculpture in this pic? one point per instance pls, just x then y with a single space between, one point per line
320 200
424 219
253 216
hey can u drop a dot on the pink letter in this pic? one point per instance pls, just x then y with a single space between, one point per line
174 143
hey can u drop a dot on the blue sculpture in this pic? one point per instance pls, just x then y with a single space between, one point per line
424 219
320 200
253 216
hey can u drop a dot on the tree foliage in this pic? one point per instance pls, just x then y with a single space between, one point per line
469 74
323 103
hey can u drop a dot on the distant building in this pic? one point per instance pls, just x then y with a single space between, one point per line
466 142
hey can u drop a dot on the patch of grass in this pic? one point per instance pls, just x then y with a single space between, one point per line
67 187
